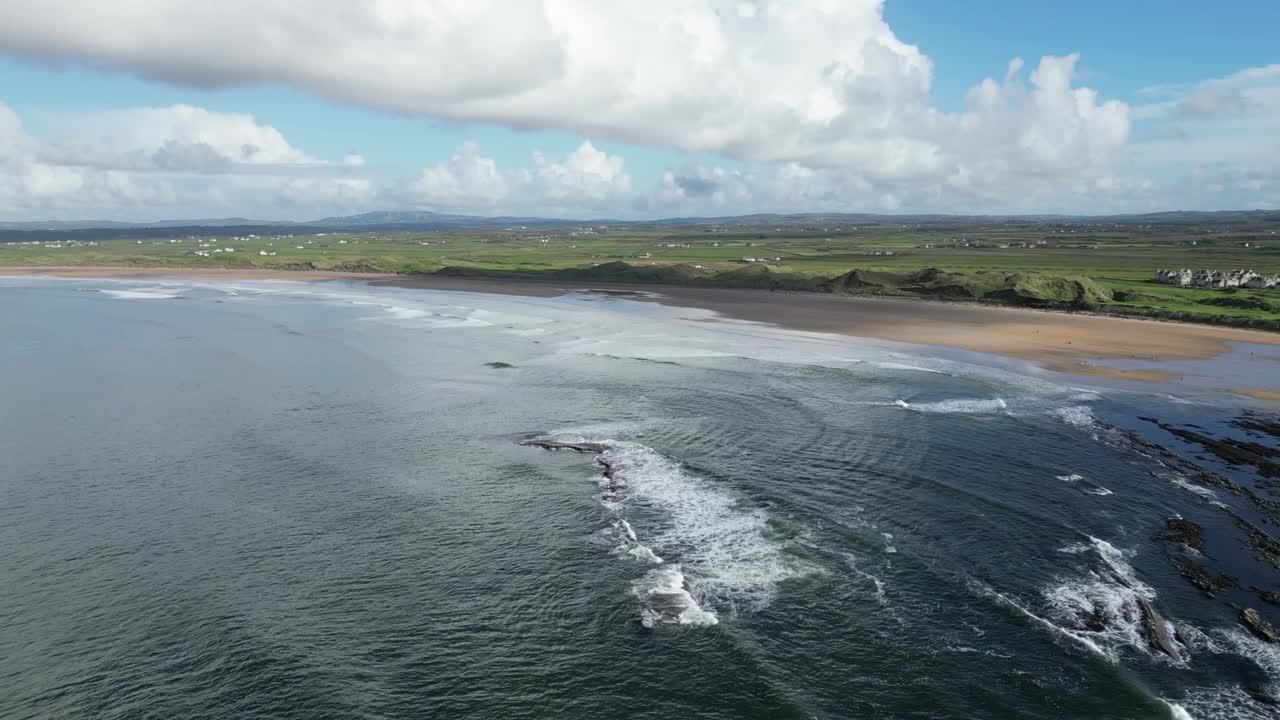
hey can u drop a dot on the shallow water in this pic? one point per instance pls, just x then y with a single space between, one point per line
251 499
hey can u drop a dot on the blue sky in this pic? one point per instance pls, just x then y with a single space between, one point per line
1136 53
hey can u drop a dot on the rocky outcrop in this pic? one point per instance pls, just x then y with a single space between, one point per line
1203 580
1267 596
582 447
1232 452
1258 423
1184 534
1264 546
1260 627
615 485
1157 631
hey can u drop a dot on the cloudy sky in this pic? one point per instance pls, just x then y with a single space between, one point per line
294 109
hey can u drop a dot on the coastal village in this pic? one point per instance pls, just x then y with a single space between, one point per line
1215 279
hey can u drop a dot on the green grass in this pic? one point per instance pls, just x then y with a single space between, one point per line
1105 268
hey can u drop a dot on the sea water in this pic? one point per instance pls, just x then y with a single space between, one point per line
234 499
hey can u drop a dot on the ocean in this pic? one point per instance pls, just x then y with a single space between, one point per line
252 499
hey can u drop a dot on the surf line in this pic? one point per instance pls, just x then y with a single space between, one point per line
664 589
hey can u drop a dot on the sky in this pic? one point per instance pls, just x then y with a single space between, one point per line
284 109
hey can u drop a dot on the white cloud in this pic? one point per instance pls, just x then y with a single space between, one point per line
175 138
587 180
1216 142
168 162
822 83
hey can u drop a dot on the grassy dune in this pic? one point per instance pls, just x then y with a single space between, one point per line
1099 267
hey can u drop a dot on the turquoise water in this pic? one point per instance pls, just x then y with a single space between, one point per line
247 500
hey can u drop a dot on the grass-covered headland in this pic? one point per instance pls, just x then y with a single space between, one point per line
1096 265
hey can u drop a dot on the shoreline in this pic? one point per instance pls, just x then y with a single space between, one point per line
1058 340
1073 343
108 271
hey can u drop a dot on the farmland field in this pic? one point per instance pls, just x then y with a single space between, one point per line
1120 258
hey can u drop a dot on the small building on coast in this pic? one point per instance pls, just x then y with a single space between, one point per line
1216 279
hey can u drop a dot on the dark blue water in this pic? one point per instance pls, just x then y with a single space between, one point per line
251 500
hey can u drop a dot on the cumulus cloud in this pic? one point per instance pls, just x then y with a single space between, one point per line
587 180
175 161
174 138
821 83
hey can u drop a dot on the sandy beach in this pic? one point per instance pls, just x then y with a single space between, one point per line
1064 342
1057 340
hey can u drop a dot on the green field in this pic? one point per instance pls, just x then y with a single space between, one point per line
1002 261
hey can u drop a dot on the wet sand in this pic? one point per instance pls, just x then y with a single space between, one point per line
1064 342
1067 342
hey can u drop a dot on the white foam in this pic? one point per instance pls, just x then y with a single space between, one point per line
958 407
403 313
153 294
1181 481
1110 596
1218 703
632 547
627 529
644 554
667 600
1051 627
1229 702
909 368
1091 489
1266 655
723 546
881 597
1080 416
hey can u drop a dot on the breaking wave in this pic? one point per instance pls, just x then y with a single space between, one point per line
1080 416
713 550
1101 610
665 594
957 407
150 294
1106 604
1087 487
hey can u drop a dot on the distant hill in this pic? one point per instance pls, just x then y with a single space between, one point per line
403 220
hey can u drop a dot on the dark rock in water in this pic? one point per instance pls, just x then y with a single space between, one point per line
1255 448
1156 630
1232 452
1260 627
1204 581
583 447
614 482
499 365
1267 596
1264 546
1178 530
1181 532
1269 507
1269 425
